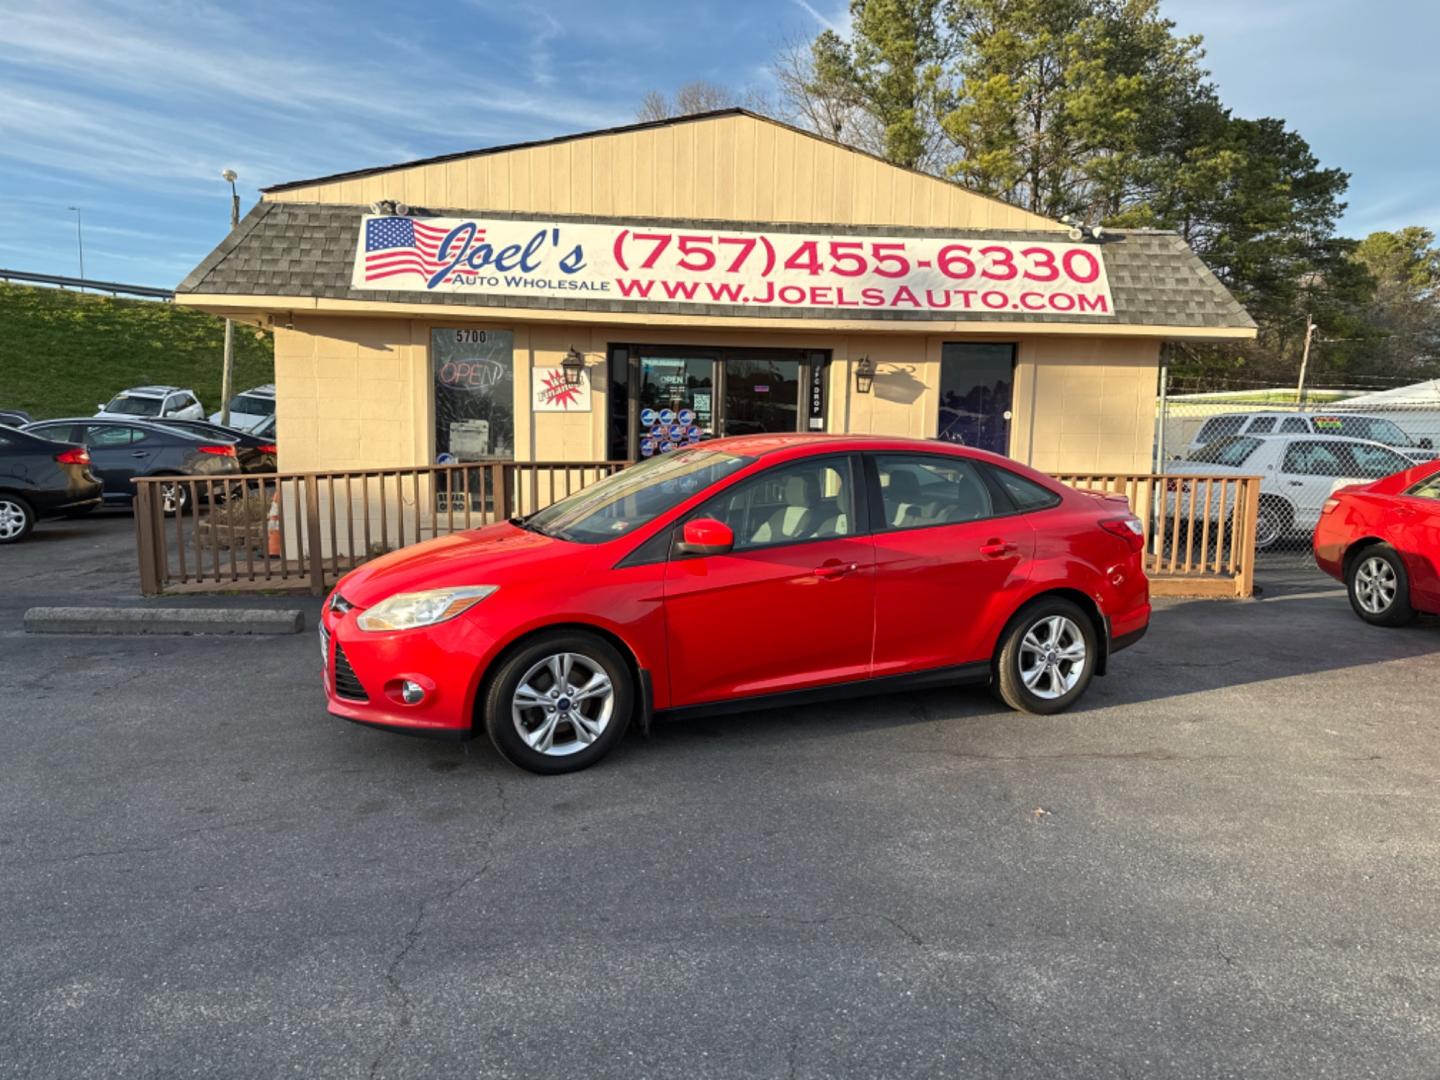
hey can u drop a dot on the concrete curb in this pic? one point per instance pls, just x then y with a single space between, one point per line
146 620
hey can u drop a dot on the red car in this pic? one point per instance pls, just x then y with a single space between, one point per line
766 569
1383 541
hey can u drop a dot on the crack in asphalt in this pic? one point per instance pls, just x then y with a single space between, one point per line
395 988
165 843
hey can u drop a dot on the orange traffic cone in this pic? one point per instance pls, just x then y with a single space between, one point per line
272 527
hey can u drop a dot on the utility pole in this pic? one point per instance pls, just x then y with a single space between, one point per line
1305 358
227 375
80 244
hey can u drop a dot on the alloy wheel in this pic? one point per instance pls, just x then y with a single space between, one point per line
1052 657
562 704
12 519
173 497
1267 527
1376 585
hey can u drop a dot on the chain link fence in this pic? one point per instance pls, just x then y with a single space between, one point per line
1301 446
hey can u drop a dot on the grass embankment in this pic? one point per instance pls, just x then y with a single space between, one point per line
62 352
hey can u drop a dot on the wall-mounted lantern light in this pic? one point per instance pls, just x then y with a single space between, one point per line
574 368
864 375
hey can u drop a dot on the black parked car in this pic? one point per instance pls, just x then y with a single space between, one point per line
15 417
41 478
256 452
122 450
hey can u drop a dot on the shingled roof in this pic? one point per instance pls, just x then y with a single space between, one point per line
308 250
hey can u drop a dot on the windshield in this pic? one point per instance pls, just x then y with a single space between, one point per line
1365 427
634 496
1231 452
126 405
252 406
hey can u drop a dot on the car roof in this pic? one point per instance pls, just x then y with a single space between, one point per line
161 426
150 391
796 444
268 390
1312 437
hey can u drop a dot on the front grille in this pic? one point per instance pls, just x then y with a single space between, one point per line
346 684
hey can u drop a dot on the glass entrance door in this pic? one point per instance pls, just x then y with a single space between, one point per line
677 402
977 381
761 395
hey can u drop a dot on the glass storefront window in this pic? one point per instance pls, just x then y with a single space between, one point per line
677 403
474 373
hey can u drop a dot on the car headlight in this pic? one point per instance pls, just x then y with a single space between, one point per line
405 611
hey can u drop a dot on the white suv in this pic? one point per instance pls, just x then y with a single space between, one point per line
250 408
154 402
1297 474
1349 425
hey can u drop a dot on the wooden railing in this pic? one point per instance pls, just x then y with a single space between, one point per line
219 537
1199 530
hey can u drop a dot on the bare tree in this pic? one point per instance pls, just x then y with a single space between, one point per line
826 108
654 106
694 97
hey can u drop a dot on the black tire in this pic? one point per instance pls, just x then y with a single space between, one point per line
16 518
590 651
1276 519
1016 657
1378 586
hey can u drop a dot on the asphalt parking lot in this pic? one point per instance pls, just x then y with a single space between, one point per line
1226 864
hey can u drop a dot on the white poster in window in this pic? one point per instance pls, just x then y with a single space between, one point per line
551 392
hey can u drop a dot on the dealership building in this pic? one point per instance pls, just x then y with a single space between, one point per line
618 294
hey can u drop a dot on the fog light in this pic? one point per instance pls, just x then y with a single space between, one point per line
412 693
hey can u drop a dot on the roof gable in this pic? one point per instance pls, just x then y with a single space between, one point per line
726 165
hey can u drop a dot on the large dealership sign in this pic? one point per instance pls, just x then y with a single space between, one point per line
734 269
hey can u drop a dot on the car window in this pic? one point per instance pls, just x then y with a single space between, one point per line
1218 427
253 406
917 491
102 436
1429 488
125 405
635 496
57 432
1261 425
1232 452
1294 425
1373 428
1373 462
1313 459
1025 494
790 504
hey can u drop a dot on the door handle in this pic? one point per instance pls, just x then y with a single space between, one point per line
831 571
993 549
1296 483
139 453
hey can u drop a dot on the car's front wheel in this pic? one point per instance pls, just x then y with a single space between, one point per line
1379 587
559 703
1047 657
16 519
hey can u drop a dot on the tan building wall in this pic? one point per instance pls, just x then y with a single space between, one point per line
357 392
736 168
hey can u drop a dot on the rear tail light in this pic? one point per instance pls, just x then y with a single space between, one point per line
227 450
1128 529
75 456
268 448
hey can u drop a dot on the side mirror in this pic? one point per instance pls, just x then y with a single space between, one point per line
706 536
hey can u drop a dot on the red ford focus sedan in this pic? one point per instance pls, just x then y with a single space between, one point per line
1383 541
760 570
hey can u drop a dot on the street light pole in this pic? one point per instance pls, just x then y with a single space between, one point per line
227 375
80 244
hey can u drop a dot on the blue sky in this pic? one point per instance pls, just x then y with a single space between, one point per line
130 111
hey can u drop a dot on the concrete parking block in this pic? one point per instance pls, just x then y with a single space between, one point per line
149 620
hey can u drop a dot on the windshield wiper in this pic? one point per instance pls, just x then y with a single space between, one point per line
528 525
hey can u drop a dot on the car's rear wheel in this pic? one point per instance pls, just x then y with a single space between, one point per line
1379 587
174 498
1275 519
1047 657
559 703
16 519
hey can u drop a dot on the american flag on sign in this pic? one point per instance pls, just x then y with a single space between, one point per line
398 245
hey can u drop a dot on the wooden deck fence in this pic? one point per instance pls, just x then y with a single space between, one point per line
1199 530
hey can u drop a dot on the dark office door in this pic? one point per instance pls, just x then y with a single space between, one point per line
976 394
761 395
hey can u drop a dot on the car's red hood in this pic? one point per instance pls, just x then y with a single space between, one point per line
488 556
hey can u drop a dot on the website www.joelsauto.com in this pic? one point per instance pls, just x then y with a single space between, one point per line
898 297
